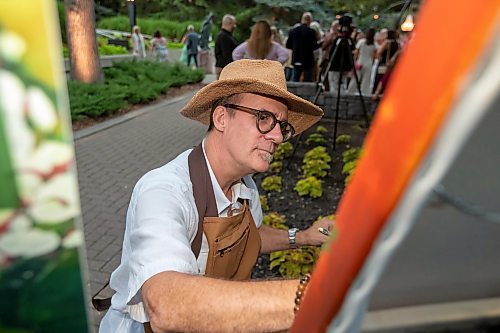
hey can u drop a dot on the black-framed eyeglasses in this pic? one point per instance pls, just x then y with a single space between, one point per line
266 121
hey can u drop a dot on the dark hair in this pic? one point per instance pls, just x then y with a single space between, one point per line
370 34
391 34
157 34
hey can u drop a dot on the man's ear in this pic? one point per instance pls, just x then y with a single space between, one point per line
220 117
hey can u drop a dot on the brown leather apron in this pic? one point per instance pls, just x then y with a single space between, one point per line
234 244
233 241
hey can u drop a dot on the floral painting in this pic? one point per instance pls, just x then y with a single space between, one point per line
40 229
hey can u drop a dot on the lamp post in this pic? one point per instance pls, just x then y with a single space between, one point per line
131 13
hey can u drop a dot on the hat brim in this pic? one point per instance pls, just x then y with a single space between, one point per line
302 114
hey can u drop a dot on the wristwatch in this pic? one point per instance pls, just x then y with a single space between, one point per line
292 233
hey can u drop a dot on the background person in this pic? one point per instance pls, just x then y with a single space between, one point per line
302 41
225 43
249 112
138 48
192 44
364 55
260 45
386 51
159 47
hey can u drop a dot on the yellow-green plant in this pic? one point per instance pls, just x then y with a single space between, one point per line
358 127
316 168
283 151
350 158
263 202
275 167
275 220
311 186
318 153
321 129
271 183
316 138
343 138
351 154
294 263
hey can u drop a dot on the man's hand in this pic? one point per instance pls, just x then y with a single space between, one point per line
312 235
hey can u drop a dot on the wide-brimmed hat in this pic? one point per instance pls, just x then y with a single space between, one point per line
263 77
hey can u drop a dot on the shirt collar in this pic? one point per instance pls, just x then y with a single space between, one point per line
240 190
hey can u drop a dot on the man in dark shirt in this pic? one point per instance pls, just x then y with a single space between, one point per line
225 43
302 41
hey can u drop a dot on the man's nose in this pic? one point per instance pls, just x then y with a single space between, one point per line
275 134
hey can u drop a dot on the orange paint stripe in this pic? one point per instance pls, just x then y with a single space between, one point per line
427 81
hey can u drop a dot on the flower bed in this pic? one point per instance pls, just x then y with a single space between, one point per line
301 211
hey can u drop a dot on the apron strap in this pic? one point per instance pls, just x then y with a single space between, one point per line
203 193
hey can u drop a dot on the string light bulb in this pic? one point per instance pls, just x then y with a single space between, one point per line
408 24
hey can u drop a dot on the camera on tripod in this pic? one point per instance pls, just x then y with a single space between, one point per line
342 58
345 24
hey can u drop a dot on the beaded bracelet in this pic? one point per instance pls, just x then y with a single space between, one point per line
301 289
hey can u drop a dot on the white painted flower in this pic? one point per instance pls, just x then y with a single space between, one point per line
20 223
28 184
56 201
29 243
47 156
21 140
73 239
12 47
41 110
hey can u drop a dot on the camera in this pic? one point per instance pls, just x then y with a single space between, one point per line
345 21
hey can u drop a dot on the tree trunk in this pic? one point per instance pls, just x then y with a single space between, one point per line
82 42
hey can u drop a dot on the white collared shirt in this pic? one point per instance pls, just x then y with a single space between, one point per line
162 221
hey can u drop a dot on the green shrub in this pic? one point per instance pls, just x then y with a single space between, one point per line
127 82
343 138
105 49
94 100
294 263
175 45
348 167
316 138
275 220
311 186
350 158
283 151
316 168
263 202
321 129
271 183
276 167
172 30
112 49
351 154
318 153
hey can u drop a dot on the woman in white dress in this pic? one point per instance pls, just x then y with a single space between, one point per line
364 55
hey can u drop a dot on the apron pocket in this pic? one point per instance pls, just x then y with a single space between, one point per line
227 257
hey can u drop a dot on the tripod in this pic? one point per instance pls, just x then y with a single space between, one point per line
343 45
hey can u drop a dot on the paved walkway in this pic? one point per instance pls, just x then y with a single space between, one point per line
111 157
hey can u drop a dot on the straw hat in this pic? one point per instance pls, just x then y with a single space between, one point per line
264 77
